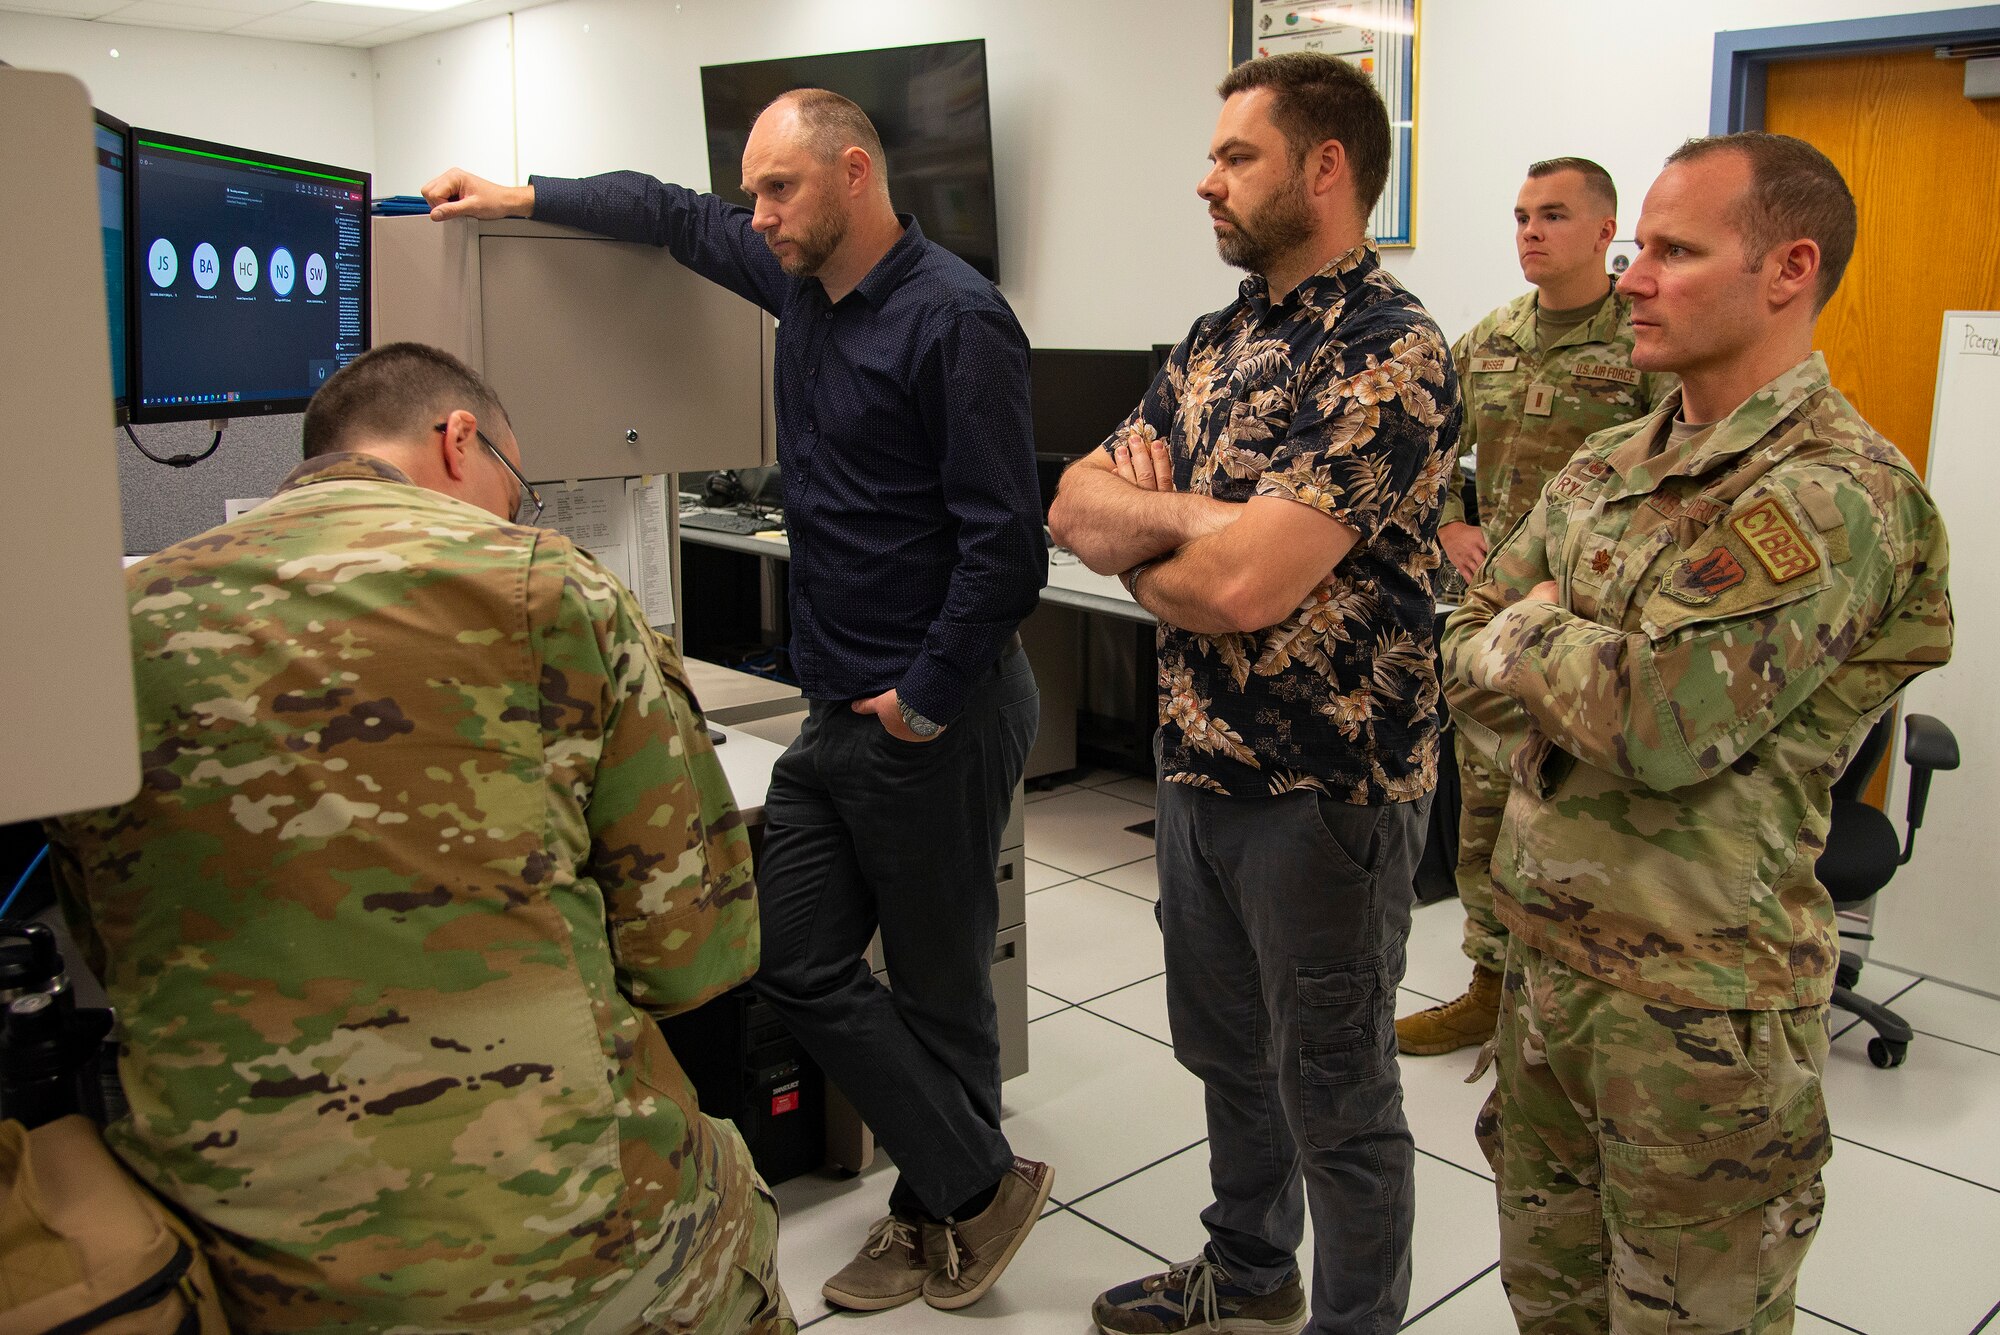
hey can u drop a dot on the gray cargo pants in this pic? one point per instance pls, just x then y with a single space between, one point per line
1285 920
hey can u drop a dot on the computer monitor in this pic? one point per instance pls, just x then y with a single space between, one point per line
1078 396
111 222
248 274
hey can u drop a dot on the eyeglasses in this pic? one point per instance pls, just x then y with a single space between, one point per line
527 510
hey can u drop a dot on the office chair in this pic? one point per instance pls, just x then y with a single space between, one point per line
1861 856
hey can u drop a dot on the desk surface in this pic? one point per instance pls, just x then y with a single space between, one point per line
746 762
1071 583
729 696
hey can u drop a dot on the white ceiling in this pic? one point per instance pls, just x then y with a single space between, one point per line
285 20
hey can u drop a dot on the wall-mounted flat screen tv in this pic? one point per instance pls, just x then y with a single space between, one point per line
927 102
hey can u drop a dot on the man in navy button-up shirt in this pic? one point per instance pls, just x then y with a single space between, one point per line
917 548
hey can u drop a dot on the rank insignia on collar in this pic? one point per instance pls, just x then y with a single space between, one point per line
1700 580
1776 541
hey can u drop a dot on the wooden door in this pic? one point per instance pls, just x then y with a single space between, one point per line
1924 165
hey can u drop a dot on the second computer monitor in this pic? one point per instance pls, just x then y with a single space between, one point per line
111 224
248 278
1080 395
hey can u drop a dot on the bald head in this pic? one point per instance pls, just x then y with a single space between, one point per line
825 125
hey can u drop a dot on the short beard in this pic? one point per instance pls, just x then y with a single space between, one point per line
1275 230
814 244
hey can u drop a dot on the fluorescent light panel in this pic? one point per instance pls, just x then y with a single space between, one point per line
414 6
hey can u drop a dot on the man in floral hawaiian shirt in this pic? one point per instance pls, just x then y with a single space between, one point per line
1274 501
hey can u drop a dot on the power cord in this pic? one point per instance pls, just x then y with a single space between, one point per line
22 884
176 460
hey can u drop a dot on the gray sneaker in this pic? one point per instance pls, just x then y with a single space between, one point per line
891 1267
977 1250
1199 1295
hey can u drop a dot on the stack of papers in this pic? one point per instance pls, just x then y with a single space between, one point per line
622 521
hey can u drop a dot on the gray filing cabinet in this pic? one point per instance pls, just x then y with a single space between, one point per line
612 359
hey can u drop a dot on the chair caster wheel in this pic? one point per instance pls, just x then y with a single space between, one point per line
1887 1054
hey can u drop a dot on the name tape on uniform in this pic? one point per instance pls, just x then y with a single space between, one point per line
1775 541
1577 474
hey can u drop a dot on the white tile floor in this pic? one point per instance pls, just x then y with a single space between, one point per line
1910 1246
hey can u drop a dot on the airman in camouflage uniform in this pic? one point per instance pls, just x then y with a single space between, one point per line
1538 381
430 829
1673 658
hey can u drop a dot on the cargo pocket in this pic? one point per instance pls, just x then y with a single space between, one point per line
728 1283
1345 1079
1667 1186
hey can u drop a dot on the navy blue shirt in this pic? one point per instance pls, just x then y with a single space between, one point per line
908 462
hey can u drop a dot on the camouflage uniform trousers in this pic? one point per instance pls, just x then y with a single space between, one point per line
1482 802
729 1287
1657 1166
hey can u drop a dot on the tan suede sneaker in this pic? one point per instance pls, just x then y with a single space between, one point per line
891 1267
976 1251
1456 1024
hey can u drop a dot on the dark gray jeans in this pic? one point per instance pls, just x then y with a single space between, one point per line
864 831
1285 921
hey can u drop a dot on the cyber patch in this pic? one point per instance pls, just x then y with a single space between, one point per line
1776 541
1698 581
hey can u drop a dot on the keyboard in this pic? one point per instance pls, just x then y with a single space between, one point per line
731 523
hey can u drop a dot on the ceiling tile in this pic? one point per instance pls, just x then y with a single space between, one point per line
242 9
70 9
290 28
160 14
378 37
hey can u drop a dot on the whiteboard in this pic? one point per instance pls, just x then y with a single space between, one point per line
1941 915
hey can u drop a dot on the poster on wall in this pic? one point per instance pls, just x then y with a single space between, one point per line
1379 36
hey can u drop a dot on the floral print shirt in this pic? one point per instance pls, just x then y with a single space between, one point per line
1340 396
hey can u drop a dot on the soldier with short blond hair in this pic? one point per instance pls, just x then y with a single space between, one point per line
1673 658
1539 376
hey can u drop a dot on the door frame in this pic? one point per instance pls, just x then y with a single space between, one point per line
1736 91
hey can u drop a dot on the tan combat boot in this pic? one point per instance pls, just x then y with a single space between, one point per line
1458 1024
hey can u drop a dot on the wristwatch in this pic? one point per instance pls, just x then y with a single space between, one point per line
916 722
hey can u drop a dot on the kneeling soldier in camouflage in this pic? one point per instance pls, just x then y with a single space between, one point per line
1673 657
429 831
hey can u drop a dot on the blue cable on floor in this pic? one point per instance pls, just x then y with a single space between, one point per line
22 884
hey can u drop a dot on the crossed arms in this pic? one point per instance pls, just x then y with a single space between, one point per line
1212 567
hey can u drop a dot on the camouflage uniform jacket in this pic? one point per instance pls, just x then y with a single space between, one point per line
1529 408
429 824
1733 614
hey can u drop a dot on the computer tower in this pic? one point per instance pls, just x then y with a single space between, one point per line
747 1068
